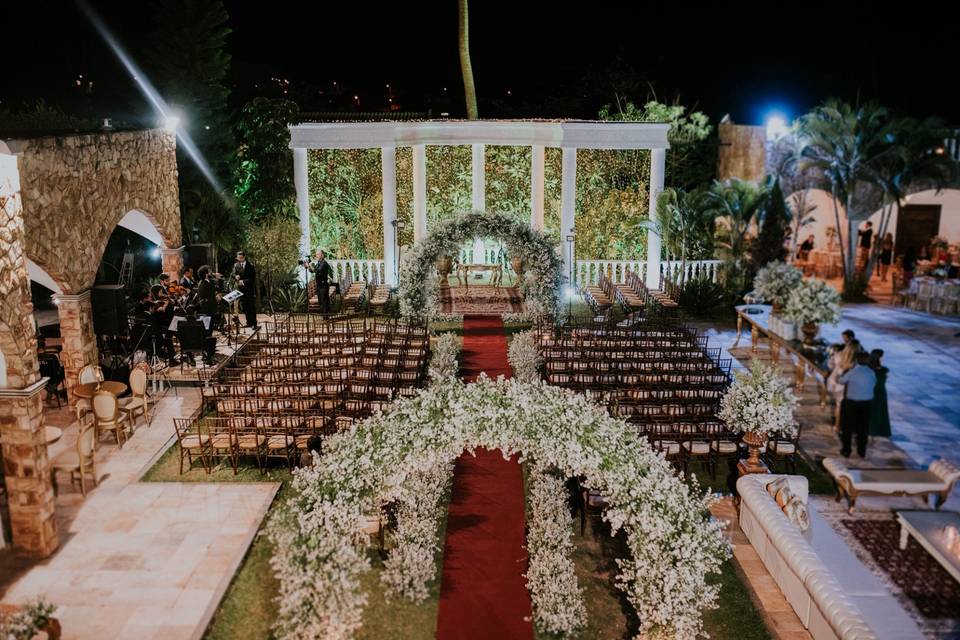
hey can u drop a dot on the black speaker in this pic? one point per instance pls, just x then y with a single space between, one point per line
109 310
199 255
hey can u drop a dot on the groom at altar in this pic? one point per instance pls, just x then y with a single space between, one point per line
322 272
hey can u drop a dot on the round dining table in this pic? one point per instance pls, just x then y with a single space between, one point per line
52 434
87 389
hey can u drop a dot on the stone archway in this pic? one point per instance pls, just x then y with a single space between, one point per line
540 286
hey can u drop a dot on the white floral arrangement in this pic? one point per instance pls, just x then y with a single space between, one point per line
418 282
520 317
556 596
775 281
421 507
813 302
319 534
524 356
759 401
443 357
447 317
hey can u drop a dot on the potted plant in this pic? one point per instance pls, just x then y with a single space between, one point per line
775 281
759 404
811 303
517 263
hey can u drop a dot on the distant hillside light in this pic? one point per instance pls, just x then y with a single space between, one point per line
776 126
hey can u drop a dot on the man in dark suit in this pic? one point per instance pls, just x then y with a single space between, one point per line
322 273
245 275
208 305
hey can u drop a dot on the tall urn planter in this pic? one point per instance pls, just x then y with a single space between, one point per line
755 441
517 264
444 267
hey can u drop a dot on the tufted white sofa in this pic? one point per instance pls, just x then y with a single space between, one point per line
833 593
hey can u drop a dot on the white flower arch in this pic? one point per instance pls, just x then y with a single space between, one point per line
418 286
406 454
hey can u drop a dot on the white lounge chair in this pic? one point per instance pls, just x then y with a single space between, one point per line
939 478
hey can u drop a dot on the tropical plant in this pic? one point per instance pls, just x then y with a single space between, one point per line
736 204
846 144
704 298
796 180
289 297
466 67
684 224
918 161
774 220
273 247
264 176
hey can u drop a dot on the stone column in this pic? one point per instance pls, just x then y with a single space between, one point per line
172 261
478 191
300 181
26 470
568 203
388 172
658 160
77 336
537 178
419 192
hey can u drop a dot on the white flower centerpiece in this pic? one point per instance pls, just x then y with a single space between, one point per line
775 281
760 405
811 303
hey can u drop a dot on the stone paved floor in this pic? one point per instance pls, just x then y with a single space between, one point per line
144 560
922 352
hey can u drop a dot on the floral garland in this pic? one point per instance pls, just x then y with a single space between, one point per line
443 357
320 542
418 283
551 575
524 357
776 280
813 302
759 401
28 622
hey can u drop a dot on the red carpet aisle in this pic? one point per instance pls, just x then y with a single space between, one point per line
483 594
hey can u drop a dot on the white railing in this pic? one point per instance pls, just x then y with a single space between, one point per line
489 256
695 269
588 271
368 270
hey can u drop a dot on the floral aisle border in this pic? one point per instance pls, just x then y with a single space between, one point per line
540 286
320 537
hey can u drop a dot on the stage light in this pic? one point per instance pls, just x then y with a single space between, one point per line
570 292
776 125
156 253
171 123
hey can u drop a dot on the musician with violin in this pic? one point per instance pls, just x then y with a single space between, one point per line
186 280
245 275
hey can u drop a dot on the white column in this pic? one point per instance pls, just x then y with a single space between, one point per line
537 172
568 203
303 198
419 192
479 192
388 171
658 159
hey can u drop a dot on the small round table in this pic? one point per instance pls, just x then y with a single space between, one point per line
88 389
53 434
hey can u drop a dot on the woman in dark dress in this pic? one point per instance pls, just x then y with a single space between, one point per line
886 256
879 412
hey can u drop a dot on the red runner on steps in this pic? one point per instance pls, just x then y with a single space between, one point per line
483 593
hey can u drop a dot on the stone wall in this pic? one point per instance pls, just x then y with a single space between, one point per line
76 189
743 152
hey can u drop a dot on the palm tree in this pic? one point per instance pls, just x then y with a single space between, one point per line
737 203
918 162
680 216
845 144
466 68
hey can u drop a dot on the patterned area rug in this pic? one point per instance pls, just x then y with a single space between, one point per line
480 299
925 590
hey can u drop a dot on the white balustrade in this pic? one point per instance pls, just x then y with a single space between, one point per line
588 271
367 270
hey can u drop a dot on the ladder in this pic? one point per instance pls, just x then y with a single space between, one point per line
126 269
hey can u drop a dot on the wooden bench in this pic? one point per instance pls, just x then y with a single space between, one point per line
939 478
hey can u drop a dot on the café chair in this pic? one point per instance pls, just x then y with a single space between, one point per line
80 463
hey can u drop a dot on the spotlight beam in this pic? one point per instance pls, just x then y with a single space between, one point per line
167 115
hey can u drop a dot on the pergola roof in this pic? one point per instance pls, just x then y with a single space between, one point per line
575 134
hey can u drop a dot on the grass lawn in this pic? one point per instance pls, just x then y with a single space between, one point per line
725 482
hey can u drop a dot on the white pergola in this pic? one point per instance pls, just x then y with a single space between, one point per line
568 135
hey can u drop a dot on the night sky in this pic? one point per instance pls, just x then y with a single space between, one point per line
530 59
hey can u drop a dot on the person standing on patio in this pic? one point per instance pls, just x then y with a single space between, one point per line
880 413
866 241
322 272
886 256
245 275
855 410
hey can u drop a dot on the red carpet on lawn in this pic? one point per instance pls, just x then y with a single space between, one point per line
483 594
